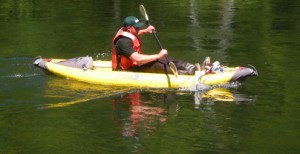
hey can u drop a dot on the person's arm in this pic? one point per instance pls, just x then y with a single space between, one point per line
147 30
124 47
143 59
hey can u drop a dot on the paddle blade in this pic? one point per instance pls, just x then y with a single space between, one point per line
143 12
173 68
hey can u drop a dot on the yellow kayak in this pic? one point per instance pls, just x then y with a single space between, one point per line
86 69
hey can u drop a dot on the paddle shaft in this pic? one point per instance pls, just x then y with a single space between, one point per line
158 42
155 36
171 64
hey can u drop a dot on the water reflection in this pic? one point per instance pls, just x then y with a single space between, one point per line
221 95
143 115
77 92
140 113
218 32
134 110
74 92
135 113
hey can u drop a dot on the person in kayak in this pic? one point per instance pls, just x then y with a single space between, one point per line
127 54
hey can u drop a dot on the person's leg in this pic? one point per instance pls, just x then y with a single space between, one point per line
153 67
161 66
184 67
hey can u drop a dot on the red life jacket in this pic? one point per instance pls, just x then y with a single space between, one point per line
124 61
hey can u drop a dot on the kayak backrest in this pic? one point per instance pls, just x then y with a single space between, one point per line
78 62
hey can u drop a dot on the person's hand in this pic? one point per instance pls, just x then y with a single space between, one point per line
162 53
150 29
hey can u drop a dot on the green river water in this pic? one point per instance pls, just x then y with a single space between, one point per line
42 113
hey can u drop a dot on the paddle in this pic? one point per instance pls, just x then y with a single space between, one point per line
171 64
